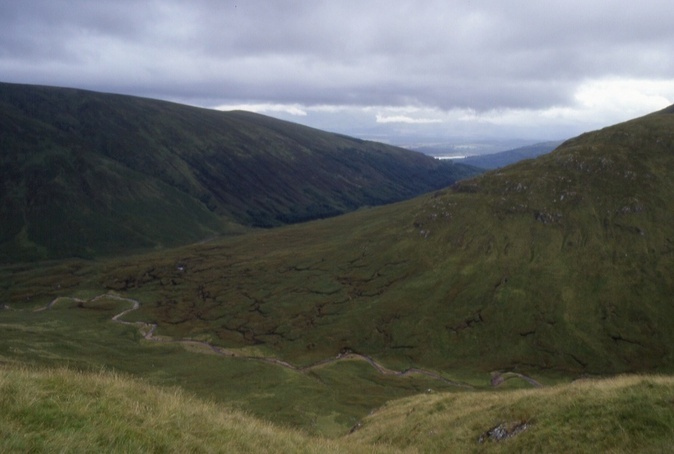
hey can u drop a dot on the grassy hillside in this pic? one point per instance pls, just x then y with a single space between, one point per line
621 415
563 263
541 272
327 399
65 411
88 173
61 410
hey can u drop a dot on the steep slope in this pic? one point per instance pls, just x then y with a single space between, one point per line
567 260
87 173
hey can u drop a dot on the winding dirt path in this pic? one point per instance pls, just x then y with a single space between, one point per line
148 331
498 378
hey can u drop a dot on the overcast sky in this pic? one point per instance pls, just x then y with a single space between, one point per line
395 70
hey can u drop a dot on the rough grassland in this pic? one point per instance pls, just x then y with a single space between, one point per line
64 411
58 410
625 414
327 400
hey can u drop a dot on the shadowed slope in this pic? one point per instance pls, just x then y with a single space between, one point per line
86 173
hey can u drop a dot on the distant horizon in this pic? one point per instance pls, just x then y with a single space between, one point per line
413 140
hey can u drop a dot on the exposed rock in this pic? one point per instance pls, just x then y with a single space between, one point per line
504 431
547 218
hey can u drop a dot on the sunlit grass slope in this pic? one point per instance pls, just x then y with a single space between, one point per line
65 411
58 410
626 414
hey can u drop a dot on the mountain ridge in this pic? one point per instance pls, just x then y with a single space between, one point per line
94 163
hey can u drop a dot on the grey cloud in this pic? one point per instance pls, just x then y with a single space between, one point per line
463 54
49 29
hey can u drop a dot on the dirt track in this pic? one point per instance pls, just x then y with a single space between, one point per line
148 331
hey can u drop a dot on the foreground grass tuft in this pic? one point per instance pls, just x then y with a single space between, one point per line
65 411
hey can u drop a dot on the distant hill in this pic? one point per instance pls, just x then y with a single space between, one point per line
87 173
504 158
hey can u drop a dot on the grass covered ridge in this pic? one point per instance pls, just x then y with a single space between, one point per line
621 414
63 410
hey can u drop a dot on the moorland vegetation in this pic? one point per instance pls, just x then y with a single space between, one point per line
540 273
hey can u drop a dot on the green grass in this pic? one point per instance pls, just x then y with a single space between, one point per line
65 411
619 415
556 268
61 410
326 400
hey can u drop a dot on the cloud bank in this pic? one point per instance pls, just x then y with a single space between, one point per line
476 67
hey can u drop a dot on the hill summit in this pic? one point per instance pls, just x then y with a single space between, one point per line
88 173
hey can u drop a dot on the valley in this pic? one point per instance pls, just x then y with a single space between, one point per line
529 283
